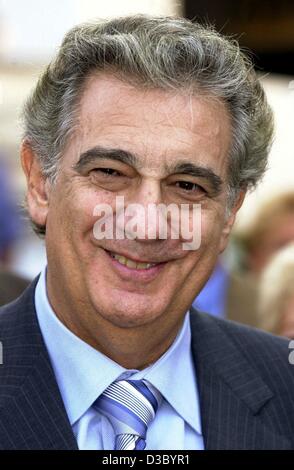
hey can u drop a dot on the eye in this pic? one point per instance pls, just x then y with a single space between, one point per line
109 178
107 171
189 186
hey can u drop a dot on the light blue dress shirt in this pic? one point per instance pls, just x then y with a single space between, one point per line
83 373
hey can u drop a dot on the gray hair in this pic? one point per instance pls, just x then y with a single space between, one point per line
158 52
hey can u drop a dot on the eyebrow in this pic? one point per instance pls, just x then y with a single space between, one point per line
98 153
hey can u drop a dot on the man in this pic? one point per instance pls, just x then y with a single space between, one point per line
102 351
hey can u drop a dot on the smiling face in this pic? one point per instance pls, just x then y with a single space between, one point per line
150 146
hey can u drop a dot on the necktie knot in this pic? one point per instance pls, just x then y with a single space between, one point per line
130 405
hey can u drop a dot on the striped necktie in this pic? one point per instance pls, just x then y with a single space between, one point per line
130 406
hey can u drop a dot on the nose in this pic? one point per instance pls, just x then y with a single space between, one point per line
149 192
143 219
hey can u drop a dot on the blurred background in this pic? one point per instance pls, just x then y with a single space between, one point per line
30 32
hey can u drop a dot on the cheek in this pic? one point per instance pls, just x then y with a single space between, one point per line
211 229
202 223
75 210
203 259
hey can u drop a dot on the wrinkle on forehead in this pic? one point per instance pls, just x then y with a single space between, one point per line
160 124
113 97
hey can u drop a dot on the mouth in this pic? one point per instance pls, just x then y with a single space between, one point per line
130 263
132 269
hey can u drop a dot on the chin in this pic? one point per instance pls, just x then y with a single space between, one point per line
130 314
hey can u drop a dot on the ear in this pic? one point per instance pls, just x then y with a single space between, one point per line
230 220
37 185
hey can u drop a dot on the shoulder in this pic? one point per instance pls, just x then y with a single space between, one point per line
253 340
243 336
267 354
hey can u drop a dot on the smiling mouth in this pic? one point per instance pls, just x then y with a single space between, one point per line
129 263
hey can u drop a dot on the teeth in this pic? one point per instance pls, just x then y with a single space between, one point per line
130 263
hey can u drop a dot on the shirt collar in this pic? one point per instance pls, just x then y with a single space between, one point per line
83 373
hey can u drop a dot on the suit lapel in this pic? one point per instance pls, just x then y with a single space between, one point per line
32 414
232 394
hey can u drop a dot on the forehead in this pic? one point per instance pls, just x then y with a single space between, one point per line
153 123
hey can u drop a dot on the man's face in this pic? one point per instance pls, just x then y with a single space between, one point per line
149 146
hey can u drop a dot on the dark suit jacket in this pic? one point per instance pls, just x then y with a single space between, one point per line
245 381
